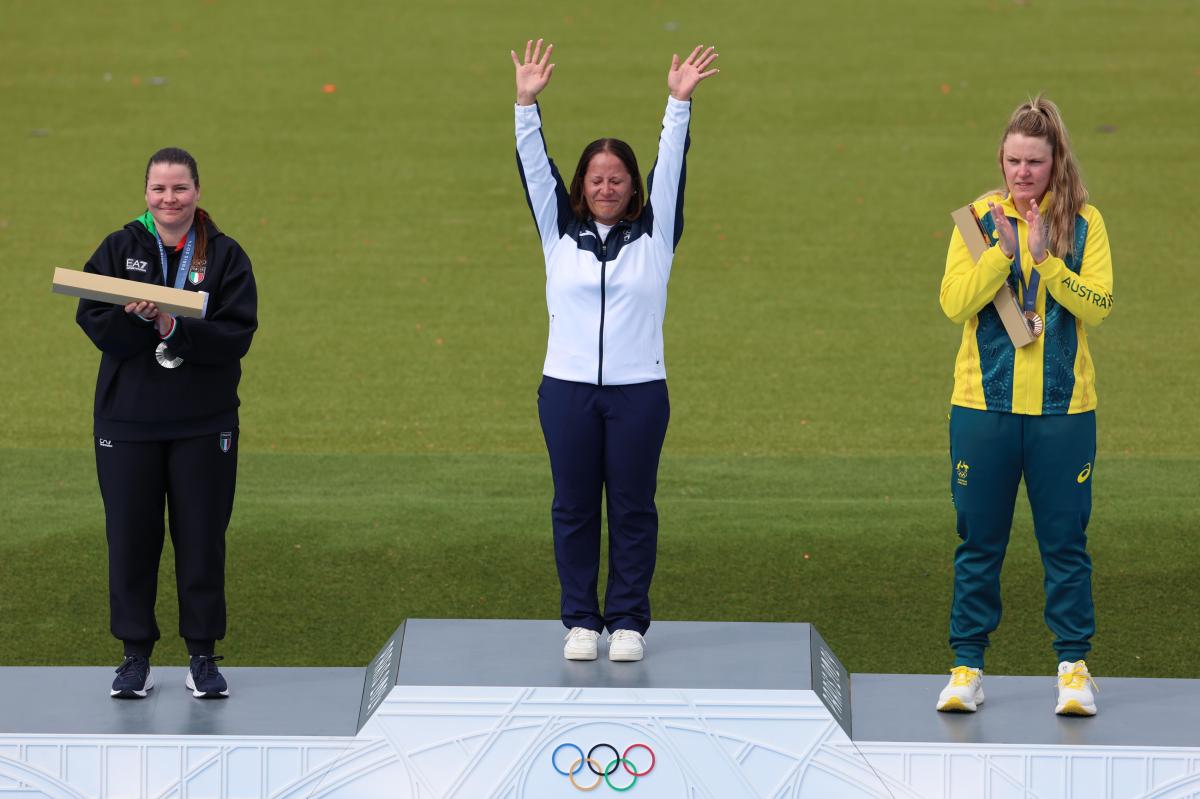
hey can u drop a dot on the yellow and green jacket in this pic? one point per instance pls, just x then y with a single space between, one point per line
1054 374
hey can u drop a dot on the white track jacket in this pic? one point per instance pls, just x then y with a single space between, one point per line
606 299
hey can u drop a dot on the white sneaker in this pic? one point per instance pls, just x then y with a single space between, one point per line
964 693
581 644
1074 694
626 645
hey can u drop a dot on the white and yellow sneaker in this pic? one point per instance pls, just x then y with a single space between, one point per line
1075 696
581 644
964 693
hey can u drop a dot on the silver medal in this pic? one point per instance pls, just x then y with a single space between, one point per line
164 357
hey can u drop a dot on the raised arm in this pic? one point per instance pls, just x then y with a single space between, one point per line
544 188
1088 294
968 286
667 177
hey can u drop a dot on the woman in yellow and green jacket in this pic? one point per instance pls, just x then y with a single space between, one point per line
1026 411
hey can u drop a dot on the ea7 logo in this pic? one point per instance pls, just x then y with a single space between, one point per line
134 265
104 442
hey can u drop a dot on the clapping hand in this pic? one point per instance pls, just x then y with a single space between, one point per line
1004 231
1037 233
686 75
534 73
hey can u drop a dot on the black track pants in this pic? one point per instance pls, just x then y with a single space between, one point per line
194 480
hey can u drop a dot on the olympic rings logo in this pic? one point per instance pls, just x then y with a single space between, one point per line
602 773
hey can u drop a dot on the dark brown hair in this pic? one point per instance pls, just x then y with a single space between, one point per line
177 155
621 150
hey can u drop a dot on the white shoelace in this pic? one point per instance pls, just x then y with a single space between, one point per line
581 633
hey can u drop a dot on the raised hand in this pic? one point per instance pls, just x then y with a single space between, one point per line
534 73
1038 235
1005 232
686 75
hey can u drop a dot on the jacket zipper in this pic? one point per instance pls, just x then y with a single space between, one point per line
603 268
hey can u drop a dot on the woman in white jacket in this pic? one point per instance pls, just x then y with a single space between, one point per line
603 398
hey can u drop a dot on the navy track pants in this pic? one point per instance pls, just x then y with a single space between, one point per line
604 440
989 453
194 479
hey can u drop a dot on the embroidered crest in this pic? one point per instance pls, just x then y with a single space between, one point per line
196 275
226 441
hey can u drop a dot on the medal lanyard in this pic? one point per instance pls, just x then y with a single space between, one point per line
185 260
1029 298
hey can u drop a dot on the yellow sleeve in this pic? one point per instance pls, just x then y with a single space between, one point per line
968 286
1087 295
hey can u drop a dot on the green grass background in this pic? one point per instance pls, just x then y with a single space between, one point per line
392 465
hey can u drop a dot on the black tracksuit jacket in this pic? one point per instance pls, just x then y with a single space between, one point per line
136 398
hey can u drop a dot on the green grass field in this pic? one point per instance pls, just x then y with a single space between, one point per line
392 465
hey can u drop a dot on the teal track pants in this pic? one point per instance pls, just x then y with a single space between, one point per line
989 454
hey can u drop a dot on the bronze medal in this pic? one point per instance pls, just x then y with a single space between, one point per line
1035 323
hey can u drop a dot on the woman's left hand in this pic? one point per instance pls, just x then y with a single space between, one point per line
686 75
163 324
1038 234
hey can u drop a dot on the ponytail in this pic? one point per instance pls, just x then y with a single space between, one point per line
200 224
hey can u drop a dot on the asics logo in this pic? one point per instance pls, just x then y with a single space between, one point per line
1085 474
603 773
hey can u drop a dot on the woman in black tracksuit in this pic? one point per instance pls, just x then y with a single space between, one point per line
166 419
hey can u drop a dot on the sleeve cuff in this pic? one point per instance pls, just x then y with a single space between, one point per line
174 327
996 259
1051 268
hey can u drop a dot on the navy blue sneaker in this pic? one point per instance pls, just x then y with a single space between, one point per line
134 679
203 679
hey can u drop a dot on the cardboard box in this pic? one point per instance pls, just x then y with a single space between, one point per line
119 291
1005 302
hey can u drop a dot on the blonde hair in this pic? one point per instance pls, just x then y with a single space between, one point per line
1039 118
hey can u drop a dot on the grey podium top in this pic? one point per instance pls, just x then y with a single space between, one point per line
263 701
682 655
1020 710
679 654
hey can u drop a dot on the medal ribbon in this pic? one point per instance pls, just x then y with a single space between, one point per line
185 260
1029 293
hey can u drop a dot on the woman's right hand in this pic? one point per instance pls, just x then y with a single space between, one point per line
534 73
1004 230
146 310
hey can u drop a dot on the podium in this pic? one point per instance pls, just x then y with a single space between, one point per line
489 709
